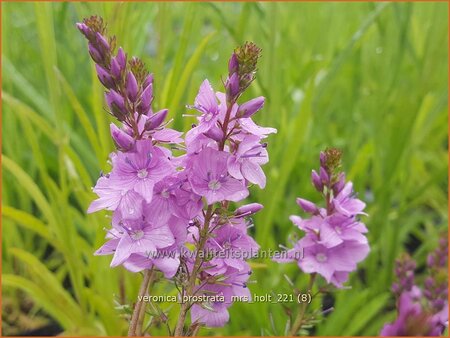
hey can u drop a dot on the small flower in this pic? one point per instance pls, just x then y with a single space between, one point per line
247 160
141 169
209 178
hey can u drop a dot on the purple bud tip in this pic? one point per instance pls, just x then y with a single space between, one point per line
121 138
148 81
146 99
323 159
132 87
324 176
104 77
215 133
121 58
317 182
233 64
95 54
156 119
102 41
247 210
306 205
83 28
232 85
249 108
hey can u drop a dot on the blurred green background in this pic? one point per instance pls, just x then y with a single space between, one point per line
370 78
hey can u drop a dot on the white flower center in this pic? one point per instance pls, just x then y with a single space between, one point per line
321 257
214 185
338 230
142 173
137 235
226 245
165 194
208 117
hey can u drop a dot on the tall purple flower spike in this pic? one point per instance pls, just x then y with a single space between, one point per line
334 241
161 202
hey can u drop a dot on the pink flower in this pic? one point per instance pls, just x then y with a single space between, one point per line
141 169
209 178
114 196
247 160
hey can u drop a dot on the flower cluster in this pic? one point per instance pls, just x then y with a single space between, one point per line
421 311
334 242
168 210
225 152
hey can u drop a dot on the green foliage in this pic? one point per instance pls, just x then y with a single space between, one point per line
369 78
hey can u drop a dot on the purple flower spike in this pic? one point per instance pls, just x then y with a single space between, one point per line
132 87
335 240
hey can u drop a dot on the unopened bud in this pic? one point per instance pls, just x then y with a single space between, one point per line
95 54
317 182
146 100
248 209
132 87
307 206
215 133
122 140
156 119
104 77
249 108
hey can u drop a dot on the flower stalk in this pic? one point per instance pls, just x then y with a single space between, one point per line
137 317
299 320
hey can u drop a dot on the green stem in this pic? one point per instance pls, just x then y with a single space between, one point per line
137 317
301 314
185 306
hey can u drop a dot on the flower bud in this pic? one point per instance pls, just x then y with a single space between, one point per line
248 209
116 70
148 81
101 40
323 159
121 58
233 64
307 206
104 77
249 108
215 133
146 100
84 29
324 176
340 184
132 87
95 53
317 182
122 140
232 86
156 119
117 104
